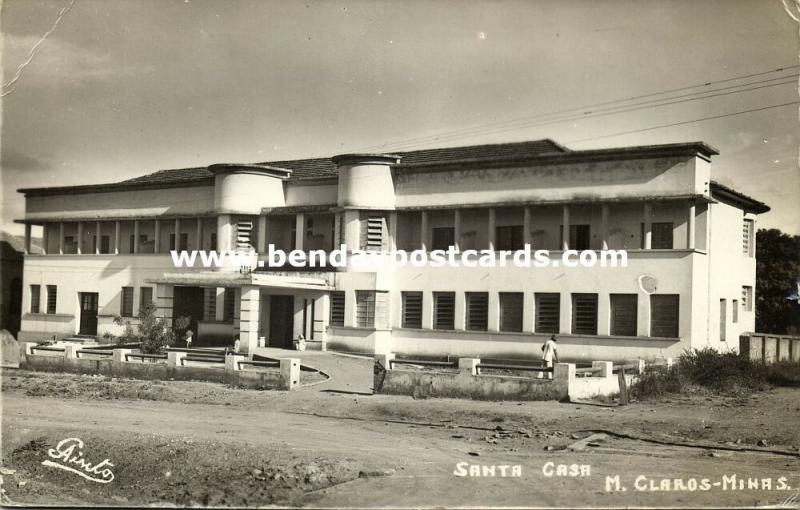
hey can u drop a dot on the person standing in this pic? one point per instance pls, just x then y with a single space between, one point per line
188 337
550 353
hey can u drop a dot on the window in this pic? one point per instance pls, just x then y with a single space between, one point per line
579 237
747 298
412 310
747 238
723 320
509 238
132 245
584 314
365 308
623 314
210 308
372 229
443 238
244 230
548 312
444 310
511 311
145 297
229 309
477 311
213 245
105 244
661 236
126 308
735 311
52 297
337 308
184 245
36 298
664 315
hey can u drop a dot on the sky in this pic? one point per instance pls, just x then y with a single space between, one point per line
123 88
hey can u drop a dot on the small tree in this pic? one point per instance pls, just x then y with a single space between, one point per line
153 333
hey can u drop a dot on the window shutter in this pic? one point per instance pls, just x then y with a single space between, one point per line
623 314
548 313
52 298
372 228
511 311
664 315
477 311
365 308
412 310
244 229
444 310
337 308
126 309
584 314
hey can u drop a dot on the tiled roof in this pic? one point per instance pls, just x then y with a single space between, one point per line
721 191
325 168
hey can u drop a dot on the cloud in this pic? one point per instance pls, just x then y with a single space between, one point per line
14 159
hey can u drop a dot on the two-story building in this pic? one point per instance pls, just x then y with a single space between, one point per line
689 281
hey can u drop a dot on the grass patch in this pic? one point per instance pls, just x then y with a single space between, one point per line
713 371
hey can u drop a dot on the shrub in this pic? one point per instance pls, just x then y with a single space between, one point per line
153 333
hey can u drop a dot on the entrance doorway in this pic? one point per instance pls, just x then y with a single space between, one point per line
88 320
188 302
281 321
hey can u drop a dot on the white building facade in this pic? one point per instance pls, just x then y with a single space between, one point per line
690 243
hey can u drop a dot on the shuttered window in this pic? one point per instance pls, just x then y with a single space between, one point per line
365 308
244 231
52 298
444 304
337 308
229 309
442 238
36 298
509 238
126 303
412 310
584 314
747 298
210 308
735 311
623 314
548 312
372 232
664 315
145 297
661 236
511 311
747 238
477 311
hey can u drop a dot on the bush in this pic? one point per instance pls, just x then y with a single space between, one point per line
722 372
153 334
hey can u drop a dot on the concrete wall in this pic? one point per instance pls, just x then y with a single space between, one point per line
770 348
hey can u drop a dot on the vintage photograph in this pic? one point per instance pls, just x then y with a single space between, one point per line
400 254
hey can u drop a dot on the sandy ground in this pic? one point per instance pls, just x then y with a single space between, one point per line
182 443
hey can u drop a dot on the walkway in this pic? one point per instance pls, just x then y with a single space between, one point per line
349 374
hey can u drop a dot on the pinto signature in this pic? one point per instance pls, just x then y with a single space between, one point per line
69 452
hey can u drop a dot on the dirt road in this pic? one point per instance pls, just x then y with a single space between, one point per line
267 448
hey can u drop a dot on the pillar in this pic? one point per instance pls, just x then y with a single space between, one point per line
45 237
492 230
220 308
116 237
232 361
262 234
135 236
424 241
157 240
28 239
290 372
224 233
175 358
457 229
493 323
198 234
393 231
565 228
120 355
248 318
80 237
177 243
648 225
527 224
469 365
604 226
299 231
691 226
606 368
528 312
97 235
61 238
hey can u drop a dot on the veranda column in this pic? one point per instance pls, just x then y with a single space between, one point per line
80 237
262 234
116 237
299 231
61 238
198 234
691 227
135 236
176 245
97 235
527 223
393 231
457 229
565 228
424 241
492 229
45 238
604 225
648 225
248 318
157 240
27 238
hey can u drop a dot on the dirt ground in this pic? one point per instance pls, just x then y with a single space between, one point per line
186 443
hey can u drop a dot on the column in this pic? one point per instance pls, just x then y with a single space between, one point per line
457 229
135 236
352 229
80 237
322 316
393 231
61 238
28 239
248 318
116 237
423 231
528 312
565 227
198 234
604 226
262 234
691 227
494 312
492 229
220 308
527 224
177 243
224 233
460 312
45 237
565 312
157 241
299 231
98 233
648 226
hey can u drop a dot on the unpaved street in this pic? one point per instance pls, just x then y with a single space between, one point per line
256 448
